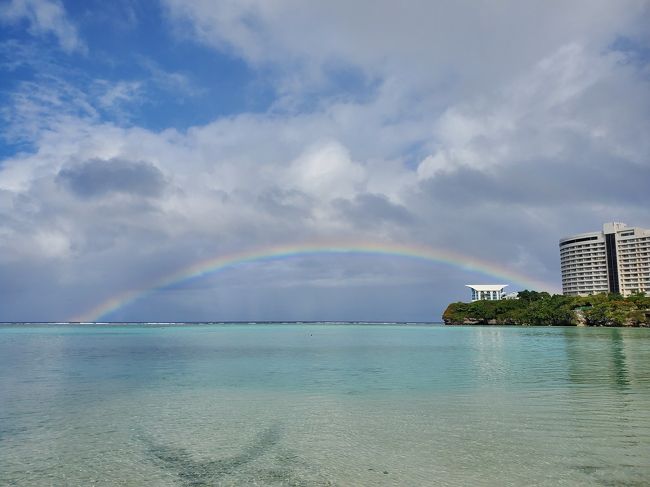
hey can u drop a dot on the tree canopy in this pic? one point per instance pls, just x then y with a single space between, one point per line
543 309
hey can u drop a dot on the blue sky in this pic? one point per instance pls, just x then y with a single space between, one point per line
141 137
166 81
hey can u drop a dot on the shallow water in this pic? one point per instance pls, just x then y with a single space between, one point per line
328 404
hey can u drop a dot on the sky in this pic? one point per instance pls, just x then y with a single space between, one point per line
141 140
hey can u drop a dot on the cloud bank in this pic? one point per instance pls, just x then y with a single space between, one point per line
490 130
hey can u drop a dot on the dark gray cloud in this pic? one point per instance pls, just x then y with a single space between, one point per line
97 177
287 203
547 183
369 210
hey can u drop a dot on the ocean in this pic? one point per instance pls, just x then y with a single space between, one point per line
323 404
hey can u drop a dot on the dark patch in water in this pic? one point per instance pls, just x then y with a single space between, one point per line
588 469
9 431
195 473
624 483
202 473
594 470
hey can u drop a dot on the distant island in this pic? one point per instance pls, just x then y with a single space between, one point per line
534 308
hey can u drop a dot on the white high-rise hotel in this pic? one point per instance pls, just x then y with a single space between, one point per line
615 260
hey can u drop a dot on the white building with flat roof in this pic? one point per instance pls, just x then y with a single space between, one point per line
489 292
616 260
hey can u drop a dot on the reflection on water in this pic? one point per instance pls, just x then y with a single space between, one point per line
324 405
609 374
619 368
612 356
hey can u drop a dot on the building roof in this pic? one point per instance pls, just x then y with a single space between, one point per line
486 287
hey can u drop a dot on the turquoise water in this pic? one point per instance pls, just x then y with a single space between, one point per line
328 404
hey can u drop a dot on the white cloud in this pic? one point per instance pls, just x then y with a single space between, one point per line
538 114
52 244
44 17
327 171
36 106
461 45
118 93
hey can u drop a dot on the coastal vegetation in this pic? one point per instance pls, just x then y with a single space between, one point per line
534 308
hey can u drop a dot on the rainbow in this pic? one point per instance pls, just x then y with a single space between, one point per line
223 262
